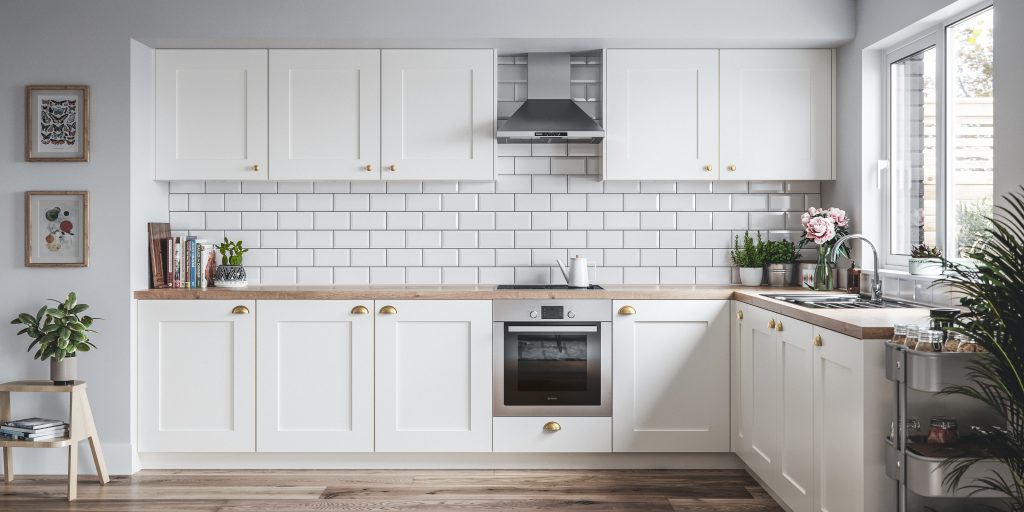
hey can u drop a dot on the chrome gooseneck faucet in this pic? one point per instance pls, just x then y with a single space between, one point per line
876 280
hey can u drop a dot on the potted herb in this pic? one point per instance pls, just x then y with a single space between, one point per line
780 255
59 334
230 273
925 260
994 319
749 257
824 227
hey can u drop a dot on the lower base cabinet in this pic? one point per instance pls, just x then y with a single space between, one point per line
553 435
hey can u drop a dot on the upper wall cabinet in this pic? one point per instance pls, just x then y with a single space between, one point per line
662 114
437 114
776 114
211 115
324 115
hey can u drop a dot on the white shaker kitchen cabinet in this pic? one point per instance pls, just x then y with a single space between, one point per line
795 476
438 114
670 377
776 114
759 390
211 115
433 376
324 114
661 114
314 376
196 384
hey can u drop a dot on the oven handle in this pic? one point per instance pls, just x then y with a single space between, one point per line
552 328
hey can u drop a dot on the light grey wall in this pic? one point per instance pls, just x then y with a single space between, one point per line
1009 82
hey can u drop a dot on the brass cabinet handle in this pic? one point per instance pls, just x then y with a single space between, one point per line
626 310
739 315
732 168
817 340
360 310
552 426
388 310
778 326
240 310
256 168
771 323
708 168
369 168
392 167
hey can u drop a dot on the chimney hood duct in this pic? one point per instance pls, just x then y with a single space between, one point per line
549 116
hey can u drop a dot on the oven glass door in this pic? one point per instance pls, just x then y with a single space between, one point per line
552 364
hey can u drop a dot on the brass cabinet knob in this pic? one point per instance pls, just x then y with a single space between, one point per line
369 168
552 426
256 168
778 326
771 323
360 310
627 310
240 310
817 340
708 168
388 310
732 168
392 167
739 315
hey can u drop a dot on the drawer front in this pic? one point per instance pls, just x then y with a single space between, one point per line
575 435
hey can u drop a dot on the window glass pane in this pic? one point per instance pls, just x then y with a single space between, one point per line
969 160
912 151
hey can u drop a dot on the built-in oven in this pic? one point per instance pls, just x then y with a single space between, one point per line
552 358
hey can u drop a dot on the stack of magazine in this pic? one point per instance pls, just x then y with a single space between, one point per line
33 429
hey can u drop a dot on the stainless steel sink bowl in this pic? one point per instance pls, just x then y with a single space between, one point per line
844 301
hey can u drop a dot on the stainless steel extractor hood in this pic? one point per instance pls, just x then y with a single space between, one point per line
549 115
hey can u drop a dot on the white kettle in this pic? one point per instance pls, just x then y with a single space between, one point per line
576 273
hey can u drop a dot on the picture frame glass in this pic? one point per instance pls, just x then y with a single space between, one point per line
57 124
57 229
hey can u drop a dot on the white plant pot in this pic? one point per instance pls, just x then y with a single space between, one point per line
751 276
925 266
65 370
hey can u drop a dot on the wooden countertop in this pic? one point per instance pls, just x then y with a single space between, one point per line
863 324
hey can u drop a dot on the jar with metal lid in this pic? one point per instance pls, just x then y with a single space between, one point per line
965 344
943 430
929 340
912 336
952 342
899 334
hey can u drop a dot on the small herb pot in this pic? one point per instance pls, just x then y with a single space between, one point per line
925 266
230 276
751 276
64 371
780 274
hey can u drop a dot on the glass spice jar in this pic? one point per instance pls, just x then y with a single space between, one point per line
899 334
912 334
943 430
965 344
952 343
929 341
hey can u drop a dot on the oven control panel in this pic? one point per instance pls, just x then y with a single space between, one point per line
552 310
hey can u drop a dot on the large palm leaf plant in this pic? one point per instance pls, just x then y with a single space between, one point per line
993 295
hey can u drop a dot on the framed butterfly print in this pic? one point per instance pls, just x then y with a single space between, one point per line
57 123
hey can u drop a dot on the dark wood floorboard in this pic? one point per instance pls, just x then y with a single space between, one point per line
413 490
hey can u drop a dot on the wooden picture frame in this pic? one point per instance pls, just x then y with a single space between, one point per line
57 228
62 135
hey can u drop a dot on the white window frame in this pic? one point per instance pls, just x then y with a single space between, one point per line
936 37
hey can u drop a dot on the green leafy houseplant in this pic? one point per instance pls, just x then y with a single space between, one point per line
750 254
58 332
994 319
231 252
925 251
779 251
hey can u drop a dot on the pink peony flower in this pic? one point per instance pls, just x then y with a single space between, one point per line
821 229
839 216
804 219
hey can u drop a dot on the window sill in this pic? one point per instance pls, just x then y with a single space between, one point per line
900 284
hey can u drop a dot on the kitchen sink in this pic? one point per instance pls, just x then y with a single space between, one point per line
844 301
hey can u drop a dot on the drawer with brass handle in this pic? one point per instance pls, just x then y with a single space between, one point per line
552 434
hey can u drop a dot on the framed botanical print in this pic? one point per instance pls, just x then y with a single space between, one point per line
57 123
57 229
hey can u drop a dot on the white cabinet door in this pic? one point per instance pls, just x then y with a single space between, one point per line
324 115
197 361
314 376
433 374
776 114
839 422
759 402
795 482
661 115
211 114
670 377
437 114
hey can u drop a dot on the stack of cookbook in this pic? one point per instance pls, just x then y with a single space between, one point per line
33 429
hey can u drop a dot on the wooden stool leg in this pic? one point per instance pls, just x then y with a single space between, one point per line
72 471
8 464
94 441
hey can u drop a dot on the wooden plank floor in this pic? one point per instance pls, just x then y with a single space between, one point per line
418 490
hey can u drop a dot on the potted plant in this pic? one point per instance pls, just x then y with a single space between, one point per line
749 257
994 319
825 227
925 260
230 273
59 334
780 255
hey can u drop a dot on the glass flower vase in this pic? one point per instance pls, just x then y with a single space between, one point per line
823 278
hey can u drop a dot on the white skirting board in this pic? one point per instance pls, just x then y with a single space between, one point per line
440 461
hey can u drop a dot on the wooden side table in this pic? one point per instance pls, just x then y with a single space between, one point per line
80 427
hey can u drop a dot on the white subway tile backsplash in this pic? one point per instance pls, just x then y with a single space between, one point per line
622 257
550 220
352 202
187 187
404 257
568 239
440 187
476 257
533 275
315 276
257 187
568 202
223 187
177 202
497 275
278 202
404 187
584 150
315 239
729 187
729 220
458 275
532 165
657 187
369 220
585 185
295 220
767 220
714 275
368 187
295 187
622 220
418 202
622 187
331 257
693 220
369 257
242 202
775 187
476 187
714 202
549 150
331 220
803 187
255 220
641 239
187 220
277 275
604 239
423 239
641 275
459 202
351 275
714 239
279 239
440 220
552 184
332 187
512 257
657 220
405 220
604 202
205 202
640 202
387 275
532 202
295 257
423 275
497 239
315 202
261 258
533 239
351 239
512 220
440 257
750 202
387 202
458 239
657 257
677 275
568 166
586 220
387 239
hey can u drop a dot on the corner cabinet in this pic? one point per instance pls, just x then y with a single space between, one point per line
670 377
197 370
433 376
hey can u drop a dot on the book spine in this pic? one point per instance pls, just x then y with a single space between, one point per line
177 263
188 264
169 264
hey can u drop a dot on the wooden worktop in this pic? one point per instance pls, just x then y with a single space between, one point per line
863 324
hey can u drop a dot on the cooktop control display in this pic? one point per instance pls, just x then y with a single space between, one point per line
551 312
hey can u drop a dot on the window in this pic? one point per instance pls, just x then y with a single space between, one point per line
939 139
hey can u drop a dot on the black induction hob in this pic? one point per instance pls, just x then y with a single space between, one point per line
546 287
